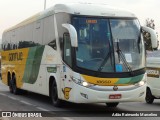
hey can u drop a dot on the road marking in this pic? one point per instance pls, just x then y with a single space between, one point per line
27 103
3 94
67 118
13 98
43 109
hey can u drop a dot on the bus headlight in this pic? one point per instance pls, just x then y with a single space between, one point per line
142 82
85 84
81 82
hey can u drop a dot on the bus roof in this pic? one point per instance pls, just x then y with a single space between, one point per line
92 9
88 9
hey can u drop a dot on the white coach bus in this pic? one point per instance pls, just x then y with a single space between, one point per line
82 53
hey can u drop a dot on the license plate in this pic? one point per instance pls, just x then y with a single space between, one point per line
115 96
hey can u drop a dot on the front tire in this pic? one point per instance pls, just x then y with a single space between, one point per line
54 95
112 104
149 97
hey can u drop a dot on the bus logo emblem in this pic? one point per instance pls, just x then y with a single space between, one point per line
66 92
115 88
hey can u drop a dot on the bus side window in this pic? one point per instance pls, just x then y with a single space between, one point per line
67 56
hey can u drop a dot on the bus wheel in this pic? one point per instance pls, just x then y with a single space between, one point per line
112 104
14 87
10 85
149 97
10 88
54 95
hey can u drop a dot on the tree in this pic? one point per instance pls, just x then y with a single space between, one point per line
147 36
150 23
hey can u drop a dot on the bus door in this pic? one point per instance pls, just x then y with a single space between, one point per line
67 65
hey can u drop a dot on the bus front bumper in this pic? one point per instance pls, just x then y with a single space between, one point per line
87 95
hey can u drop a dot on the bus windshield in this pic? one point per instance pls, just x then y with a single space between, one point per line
109 45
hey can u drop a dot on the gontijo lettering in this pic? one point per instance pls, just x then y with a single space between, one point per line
15 56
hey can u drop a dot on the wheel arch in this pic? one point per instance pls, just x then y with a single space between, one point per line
14 75
8 78
51 79
148 88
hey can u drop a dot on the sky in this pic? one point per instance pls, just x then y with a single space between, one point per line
14 11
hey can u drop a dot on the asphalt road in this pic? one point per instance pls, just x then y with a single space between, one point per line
41 105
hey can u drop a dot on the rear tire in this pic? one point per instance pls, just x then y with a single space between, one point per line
13 86
10 84
149 97
112 104
54 95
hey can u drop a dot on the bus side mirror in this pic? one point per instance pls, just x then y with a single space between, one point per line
153 36
73 34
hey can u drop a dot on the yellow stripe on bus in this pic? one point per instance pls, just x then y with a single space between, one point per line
14 61
100 81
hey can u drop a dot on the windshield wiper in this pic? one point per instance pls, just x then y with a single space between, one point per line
122 57
104 61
